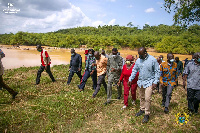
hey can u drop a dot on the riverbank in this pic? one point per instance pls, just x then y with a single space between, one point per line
55 107
26 56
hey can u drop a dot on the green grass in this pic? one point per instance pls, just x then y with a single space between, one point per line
55 107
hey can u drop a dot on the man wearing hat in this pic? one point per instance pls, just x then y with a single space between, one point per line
46 61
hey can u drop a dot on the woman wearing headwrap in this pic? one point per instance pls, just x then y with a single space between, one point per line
126 73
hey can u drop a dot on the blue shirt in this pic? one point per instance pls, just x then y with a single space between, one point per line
149 71
193 71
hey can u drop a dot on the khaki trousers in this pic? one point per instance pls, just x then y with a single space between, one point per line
145 99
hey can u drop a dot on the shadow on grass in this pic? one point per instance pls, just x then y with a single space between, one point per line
173 105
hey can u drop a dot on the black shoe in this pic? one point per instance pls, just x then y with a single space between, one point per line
93 96
54 81
139 113
196 111
146 119
14 95
118 98
79 88
166 110
106 103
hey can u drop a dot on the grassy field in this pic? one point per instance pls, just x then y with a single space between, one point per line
55 107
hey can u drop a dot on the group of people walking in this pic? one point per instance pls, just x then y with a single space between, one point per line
146 74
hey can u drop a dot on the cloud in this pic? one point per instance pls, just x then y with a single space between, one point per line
149 10
160 3
112 0
97 23
112 22
130 6
102 15
41 16
67 18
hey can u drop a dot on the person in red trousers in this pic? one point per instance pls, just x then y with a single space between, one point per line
126 73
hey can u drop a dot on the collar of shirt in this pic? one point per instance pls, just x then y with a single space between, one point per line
145 57
196 63
169 64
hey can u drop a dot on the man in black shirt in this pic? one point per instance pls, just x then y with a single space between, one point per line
75 65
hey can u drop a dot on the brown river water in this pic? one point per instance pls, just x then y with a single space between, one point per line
18 57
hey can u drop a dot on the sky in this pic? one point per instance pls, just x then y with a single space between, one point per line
41 16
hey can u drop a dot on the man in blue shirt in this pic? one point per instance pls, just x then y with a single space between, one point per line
149 70
75 66
191 74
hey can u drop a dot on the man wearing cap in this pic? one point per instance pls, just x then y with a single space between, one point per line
2 84
46 61
114 68
149 74
75 66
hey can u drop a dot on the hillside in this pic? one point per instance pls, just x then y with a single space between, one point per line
163 38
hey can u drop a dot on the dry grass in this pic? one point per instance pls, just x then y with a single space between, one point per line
55 107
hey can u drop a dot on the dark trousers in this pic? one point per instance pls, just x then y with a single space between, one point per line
3 85
71 74
85 77
40 72
158 84
167 94
101 80
193 97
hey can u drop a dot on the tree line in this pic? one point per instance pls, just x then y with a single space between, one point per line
163 38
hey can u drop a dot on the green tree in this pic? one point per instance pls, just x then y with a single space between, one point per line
186 11
130 24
